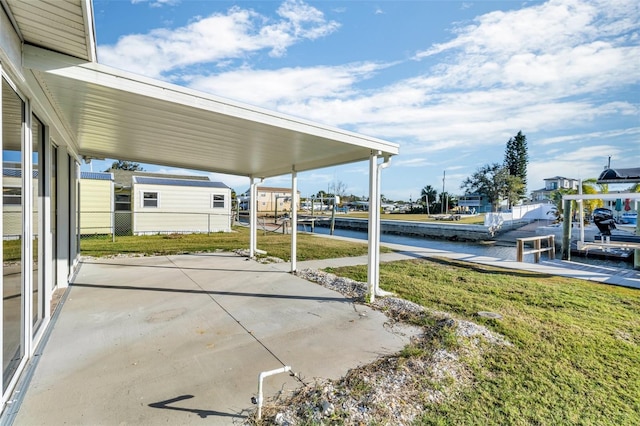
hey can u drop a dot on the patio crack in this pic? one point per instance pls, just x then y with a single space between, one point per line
249 332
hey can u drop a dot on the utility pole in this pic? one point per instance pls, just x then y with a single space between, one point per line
444 175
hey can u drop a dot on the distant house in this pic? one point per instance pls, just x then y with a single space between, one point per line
474 202
553 184
96 203
270 199
170 205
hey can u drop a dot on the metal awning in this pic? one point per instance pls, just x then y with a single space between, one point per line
115 114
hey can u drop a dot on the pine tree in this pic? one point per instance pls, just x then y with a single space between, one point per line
516 159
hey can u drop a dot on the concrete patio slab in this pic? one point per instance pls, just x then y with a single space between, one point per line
179 339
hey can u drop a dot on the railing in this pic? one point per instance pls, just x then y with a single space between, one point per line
537 247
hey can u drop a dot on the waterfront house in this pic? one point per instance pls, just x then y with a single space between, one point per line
553 184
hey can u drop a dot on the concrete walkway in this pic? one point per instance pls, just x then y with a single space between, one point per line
601 274
179 339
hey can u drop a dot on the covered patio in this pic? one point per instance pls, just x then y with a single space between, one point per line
61 107
115 114
179 339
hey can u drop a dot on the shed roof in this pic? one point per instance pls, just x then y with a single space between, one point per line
178 182
108 113
96 175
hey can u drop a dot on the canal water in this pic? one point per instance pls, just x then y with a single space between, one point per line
467 247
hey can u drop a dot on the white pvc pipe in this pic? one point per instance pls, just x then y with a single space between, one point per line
261 377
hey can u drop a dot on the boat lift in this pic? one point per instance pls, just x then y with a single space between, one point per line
605 242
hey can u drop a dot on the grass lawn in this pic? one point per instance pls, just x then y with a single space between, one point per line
575 357
275 244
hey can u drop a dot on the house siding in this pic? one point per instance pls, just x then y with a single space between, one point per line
96 205
180 209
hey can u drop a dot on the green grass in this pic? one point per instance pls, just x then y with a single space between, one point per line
575 357
11 250
275 244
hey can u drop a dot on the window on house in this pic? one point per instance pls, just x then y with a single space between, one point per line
149 199
218 201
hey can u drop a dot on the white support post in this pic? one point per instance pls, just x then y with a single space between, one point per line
253 217
294 219
581 207
380 166
374 227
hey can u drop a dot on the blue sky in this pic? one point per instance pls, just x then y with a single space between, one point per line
449 81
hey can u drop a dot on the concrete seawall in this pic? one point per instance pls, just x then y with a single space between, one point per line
441 230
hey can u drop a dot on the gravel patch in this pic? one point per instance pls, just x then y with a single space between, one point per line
394 390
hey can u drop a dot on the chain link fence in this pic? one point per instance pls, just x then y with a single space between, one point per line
114 224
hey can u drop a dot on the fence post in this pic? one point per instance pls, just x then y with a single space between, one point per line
519 250
208 223
552 241
536 254
113 234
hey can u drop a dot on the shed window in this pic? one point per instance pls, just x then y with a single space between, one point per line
218 201
149 199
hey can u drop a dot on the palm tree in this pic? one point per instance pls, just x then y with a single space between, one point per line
556 200
589 186
427 194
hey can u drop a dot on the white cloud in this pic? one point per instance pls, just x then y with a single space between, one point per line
273 88
583 137
157 3
216 38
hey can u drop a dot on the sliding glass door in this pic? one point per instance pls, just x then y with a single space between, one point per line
13 118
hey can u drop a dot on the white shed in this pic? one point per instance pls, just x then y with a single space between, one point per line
168 205
96 203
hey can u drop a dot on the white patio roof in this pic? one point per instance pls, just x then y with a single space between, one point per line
109 113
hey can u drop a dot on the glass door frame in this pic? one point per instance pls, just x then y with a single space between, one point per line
30 333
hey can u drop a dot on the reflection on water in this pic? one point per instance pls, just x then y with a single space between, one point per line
473 248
